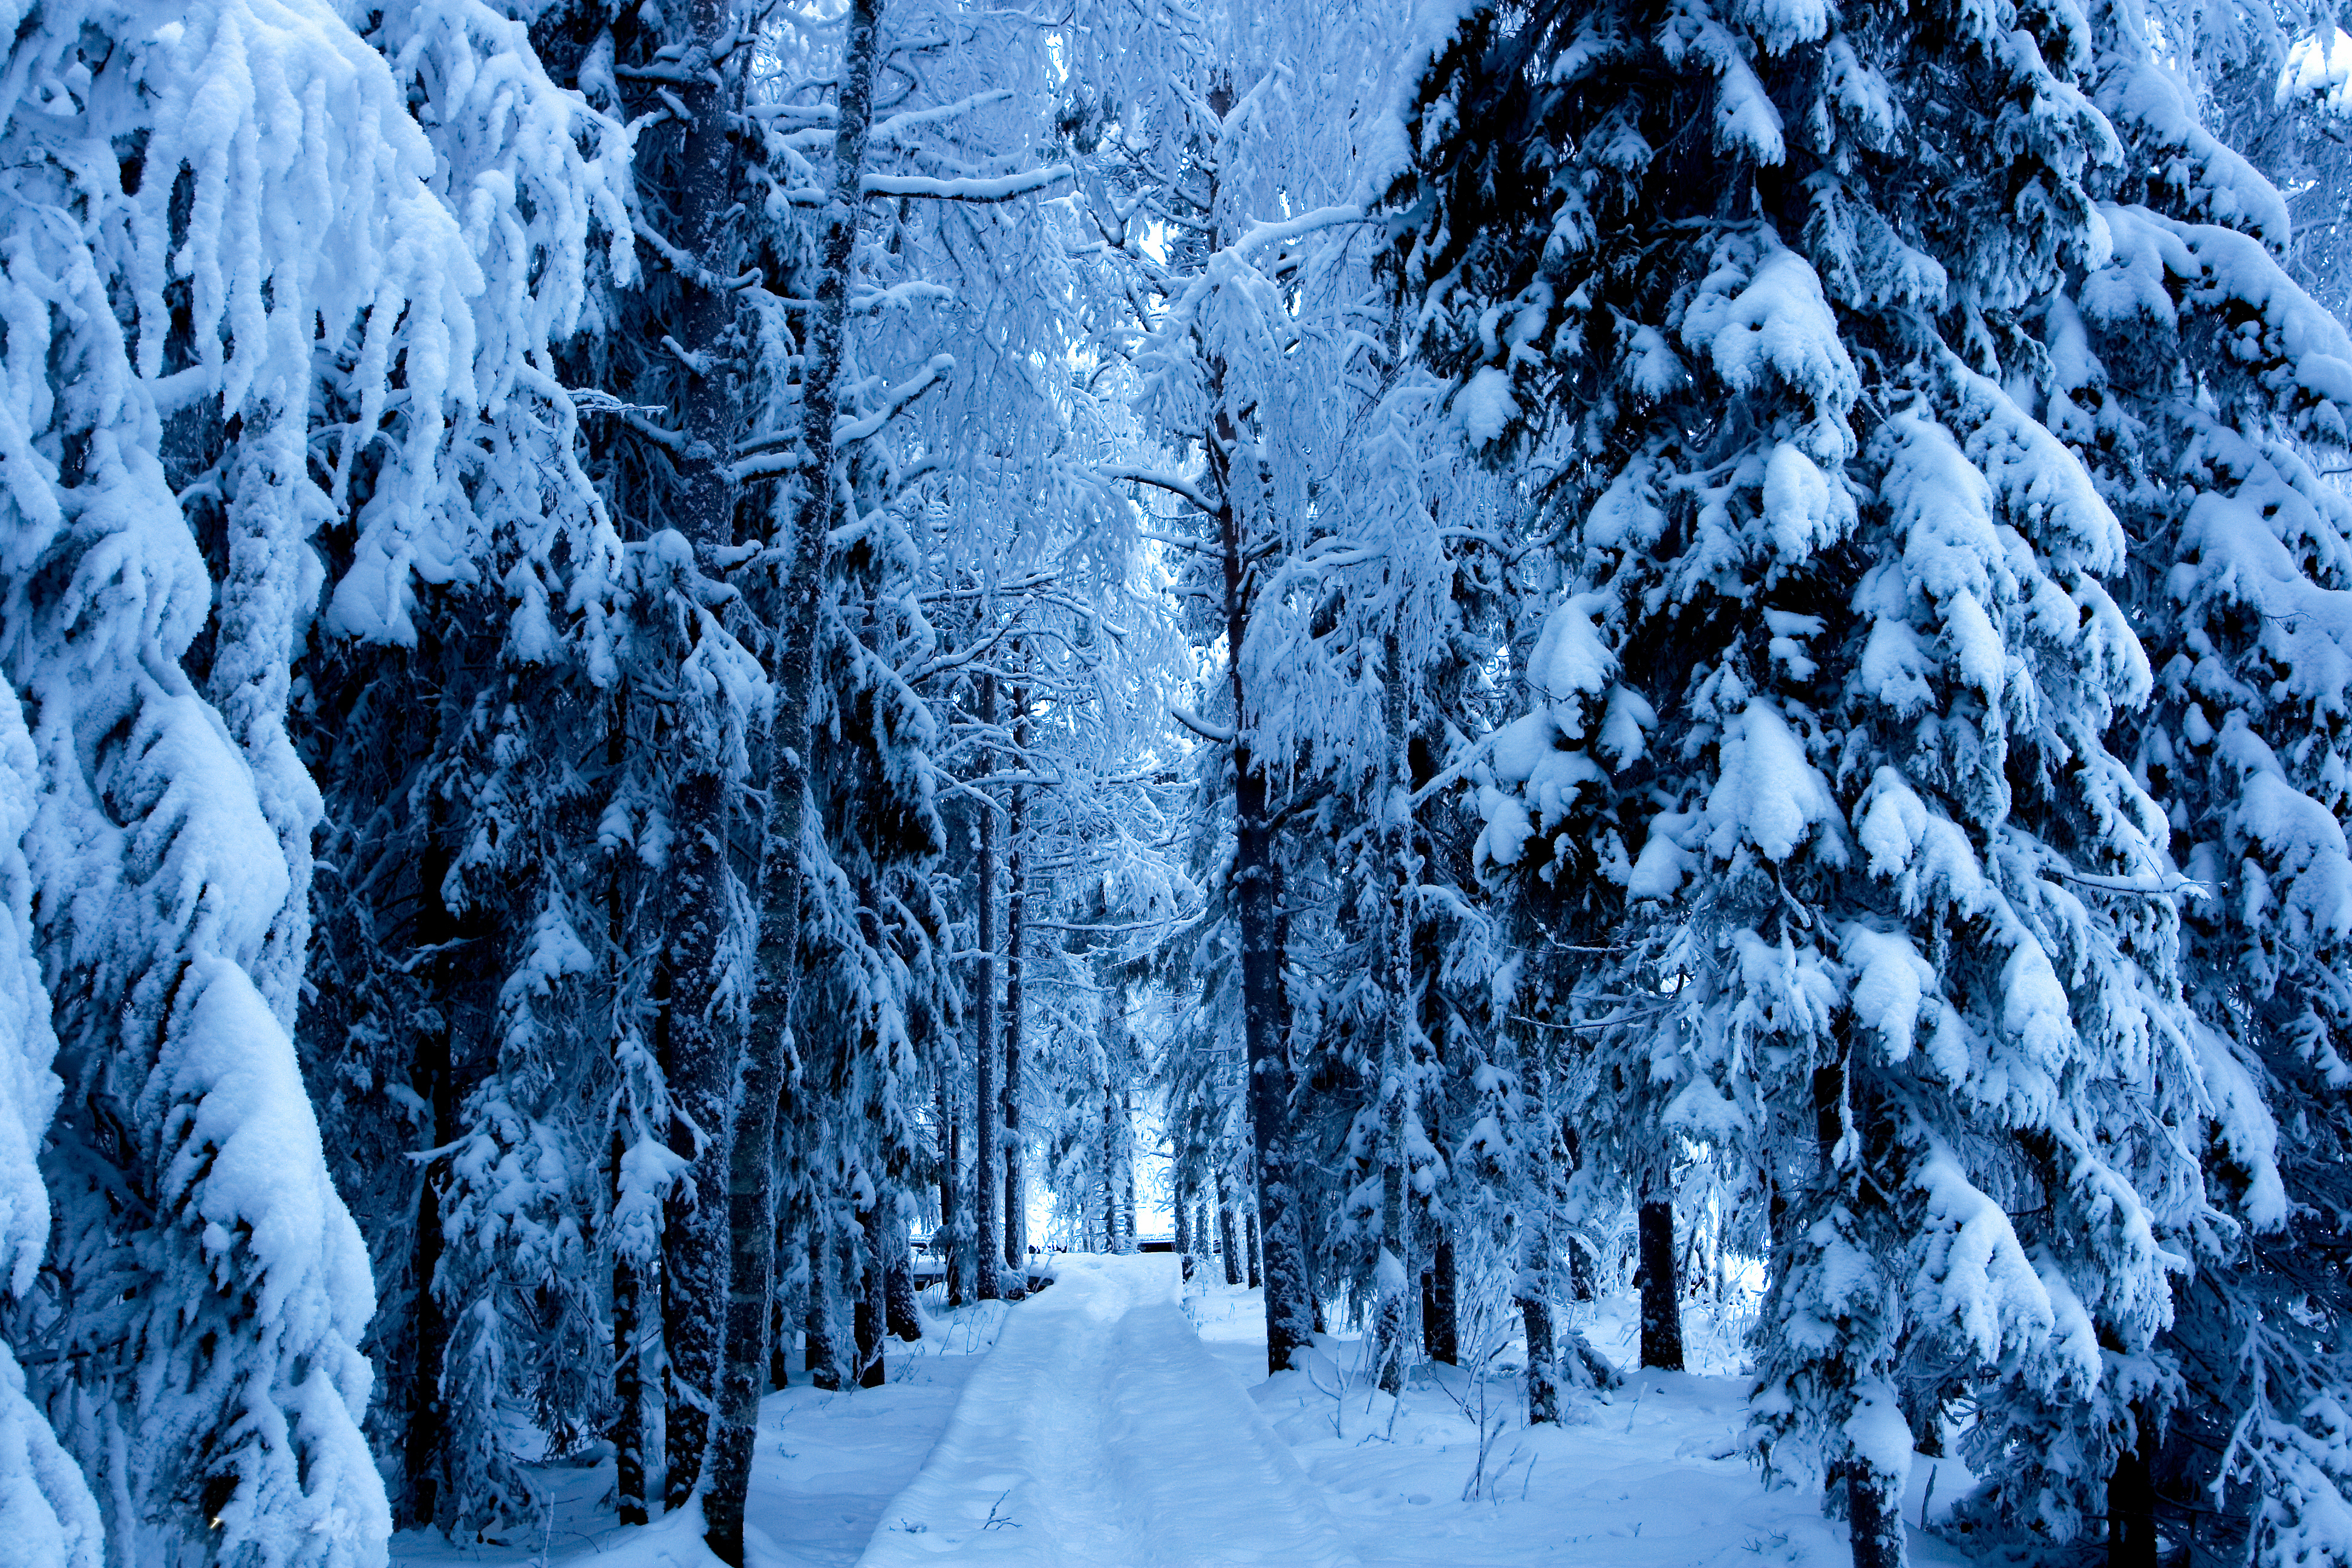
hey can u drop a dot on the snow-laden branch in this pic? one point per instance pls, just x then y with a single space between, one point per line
1460 765
1288 229
1003 189
1221 734
844 431
1159 480
890 132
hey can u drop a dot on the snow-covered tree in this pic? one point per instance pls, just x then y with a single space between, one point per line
1816 765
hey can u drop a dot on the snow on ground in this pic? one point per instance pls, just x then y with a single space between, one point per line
1105 1432
827 1466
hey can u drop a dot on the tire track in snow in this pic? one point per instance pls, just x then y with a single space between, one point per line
1101 1434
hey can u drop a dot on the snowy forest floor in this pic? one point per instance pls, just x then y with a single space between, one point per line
1093 1427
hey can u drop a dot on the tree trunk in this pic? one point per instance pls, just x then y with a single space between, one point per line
2131 1504
1543 1359
1226 1241
1257 1274
704 1040
948 1241
432 1076
1875 1517
823 1361
983 1012
1127 1167
1441 1327
1016 909
1265 1012
873 1307
629 1382
1661 1316
1109 1178
904 1323
1184 1238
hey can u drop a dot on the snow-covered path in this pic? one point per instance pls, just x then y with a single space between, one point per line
1100 1433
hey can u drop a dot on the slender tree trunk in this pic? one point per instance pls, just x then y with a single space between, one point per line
1109 1178
949 1242
1225 1240
1016 912
1874 1495
1441 1329
795 592
873 1308
1662 1314
983 1012
704 1040
1126 1165
628 1279
2131 1504
432 1076
1399 1075
1265 1012
1256 1272
628 1381
1543 1356
1184 1241
823 1361
1537 1285
904 1323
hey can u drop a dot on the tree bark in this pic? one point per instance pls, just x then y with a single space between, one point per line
1440 1328
433 1077
1016 909
983 1012
904 1321
823 1361
1226 1241
1662 1315
704 1041
948 1241
2131 1504
629 1382
872 1308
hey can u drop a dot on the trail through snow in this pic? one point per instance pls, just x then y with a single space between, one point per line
1101 1430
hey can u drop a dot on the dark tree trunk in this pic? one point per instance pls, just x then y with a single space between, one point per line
1257 1275
1126 1168
823 1361
872 1306
983 1012
1016 912
628 1279
904 1323
1543 1361
781 1335
1184 1238
1579 1269
1662 1314
433 1075
1109 1178
2131 1506
795 594
1225 1240
700 1259
629 1382
1874 1496
949 1240
1874 1518
1265 1012
1441 1329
